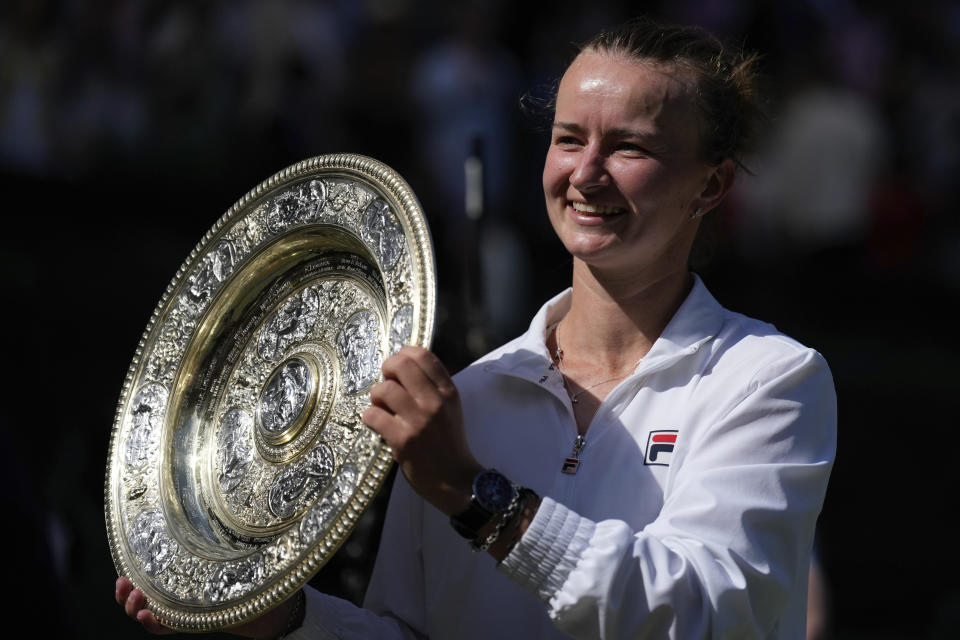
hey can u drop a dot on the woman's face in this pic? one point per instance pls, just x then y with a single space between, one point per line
623 176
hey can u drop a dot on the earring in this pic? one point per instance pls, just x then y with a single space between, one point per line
696 214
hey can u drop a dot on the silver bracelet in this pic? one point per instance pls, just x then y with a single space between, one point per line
506 516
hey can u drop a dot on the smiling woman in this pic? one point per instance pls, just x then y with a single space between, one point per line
666 464
623 176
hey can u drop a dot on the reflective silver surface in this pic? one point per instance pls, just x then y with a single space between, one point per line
238 461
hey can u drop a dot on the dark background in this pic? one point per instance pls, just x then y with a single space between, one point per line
128 127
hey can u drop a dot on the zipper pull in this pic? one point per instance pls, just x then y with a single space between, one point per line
571 464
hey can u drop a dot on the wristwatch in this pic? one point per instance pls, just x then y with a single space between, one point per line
492 494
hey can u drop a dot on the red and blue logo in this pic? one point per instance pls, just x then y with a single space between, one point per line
660 445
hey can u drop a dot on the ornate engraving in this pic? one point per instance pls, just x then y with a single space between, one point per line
150 542
382 233
344 485
215 267
346 196
298 484
146 413
297 206
232 580
401 327
285 396
290 324
316 521
264 463
358 345
168 349
234 448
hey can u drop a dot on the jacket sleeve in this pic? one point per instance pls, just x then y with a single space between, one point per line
730 548
393 607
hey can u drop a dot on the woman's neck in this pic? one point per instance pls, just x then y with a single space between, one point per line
615 321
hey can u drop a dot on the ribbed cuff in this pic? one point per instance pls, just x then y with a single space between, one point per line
549 549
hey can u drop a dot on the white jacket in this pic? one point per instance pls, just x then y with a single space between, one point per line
691 516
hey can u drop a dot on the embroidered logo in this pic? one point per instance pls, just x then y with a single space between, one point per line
660 446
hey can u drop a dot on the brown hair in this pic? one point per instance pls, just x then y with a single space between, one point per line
727 96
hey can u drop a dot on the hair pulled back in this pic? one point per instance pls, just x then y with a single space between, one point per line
727 78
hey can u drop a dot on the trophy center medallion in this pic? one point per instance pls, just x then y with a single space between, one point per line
287 400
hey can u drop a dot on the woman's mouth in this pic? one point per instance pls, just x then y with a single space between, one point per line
595 209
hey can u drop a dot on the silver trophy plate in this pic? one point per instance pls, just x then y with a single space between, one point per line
238 462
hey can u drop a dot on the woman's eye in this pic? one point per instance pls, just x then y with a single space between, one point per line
632 149
566 141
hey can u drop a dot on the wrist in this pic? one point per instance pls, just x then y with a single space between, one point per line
491 495
514 530
279 622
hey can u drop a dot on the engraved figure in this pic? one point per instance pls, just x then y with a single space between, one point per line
151 544
301 482
146 412
401 327
357 344
382 233
345 195
234 579
297 206
289 324
285 395
213 269
235 448
316 521
344 484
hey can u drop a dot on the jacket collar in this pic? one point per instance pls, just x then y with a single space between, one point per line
695 323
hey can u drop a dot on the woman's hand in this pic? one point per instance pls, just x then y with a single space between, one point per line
417 411
134 603
269 625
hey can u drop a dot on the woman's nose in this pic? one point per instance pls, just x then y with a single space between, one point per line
590 172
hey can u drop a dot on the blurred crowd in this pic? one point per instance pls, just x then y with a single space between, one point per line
843 232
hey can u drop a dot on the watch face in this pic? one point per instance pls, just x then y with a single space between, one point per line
493 491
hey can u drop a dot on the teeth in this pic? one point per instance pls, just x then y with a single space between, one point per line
595 209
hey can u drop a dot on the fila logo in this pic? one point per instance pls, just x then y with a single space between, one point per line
660 446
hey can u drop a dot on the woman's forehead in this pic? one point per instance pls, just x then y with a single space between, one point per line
643 88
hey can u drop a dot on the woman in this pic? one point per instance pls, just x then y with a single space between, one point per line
682 451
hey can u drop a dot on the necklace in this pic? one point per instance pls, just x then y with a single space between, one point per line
574 397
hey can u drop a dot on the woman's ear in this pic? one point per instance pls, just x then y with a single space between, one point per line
718 184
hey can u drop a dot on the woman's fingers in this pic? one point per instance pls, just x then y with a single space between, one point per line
422 367
122 590
134 604
151 624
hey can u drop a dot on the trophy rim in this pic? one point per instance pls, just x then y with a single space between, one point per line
192 617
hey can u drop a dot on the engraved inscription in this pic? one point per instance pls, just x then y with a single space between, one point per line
357 344
235 448
291 323
150 542
383 233
146 413
301 482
